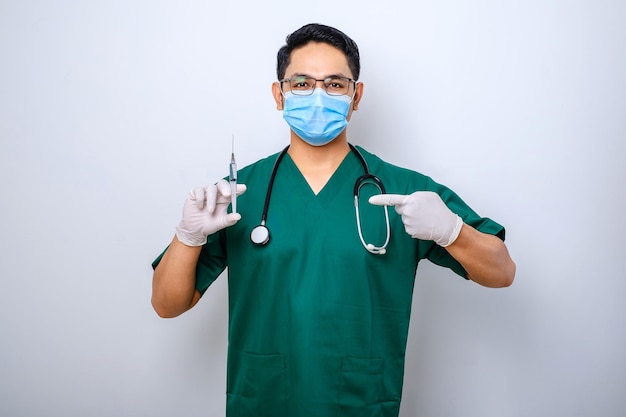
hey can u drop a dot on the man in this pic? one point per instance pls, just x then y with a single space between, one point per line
319 317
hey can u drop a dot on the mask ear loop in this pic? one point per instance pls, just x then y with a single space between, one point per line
353 95
360 182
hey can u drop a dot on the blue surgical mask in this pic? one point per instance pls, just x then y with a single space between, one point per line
317 118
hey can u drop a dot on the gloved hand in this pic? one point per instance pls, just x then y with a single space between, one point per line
205 213
425 216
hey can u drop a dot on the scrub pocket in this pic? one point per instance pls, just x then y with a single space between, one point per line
260 389
360 390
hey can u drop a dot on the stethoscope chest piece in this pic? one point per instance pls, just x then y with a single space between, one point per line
260 235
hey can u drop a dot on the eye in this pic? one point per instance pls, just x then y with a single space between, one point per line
336 84
302 83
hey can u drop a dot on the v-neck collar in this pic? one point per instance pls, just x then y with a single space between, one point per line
340 179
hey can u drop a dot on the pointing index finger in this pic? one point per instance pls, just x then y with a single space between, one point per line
387 199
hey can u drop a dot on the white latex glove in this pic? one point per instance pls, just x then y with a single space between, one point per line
425 216
205 213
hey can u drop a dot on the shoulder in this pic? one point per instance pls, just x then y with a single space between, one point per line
260 168
395 177
398 180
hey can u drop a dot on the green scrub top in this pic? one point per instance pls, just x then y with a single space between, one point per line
318 325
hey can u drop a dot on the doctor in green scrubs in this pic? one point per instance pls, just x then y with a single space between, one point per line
319 314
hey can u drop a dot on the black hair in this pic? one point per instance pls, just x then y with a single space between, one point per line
315 32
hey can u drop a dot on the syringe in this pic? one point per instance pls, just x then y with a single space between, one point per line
233 178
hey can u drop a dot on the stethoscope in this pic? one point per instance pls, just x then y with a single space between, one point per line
260 235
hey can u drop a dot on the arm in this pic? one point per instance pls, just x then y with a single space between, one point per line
425 216
173 282
484 257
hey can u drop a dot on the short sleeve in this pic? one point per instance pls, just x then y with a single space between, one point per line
440 256
211 263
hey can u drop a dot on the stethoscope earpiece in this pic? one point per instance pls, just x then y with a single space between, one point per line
375 249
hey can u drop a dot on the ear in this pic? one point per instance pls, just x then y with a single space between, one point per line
358 94
278 95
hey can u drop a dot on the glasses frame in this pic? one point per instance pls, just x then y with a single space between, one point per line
323 81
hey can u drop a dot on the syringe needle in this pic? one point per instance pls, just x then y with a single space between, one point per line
233 178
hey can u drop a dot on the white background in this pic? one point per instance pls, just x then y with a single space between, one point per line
110 111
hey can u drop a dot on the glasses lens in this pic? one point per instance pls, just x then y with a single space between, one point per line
302 85
337 86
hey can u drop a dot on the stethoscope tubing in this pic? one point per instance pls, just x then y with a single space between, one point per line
260 235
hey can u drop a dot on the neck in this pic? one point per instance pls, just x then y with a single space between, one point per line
304 154
318 163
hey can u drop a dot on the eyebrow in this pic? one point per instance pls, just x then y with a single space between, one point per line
300 74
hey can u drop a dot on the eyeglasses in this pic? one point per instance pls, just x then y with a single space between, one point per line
304 86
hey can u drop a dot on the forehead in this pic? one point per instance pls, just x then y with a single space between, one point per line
318 60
